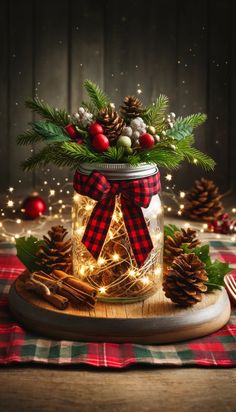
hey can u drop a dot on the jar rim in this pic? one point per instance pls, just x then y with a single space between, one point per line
118 171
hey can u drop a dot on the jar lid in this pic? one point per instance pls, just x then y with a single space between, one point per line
120 171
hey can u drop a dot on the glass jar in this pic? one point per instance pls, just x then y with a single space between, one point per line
115 273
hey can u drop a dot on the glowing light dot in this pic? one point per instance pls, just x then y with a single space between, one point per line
182 194
18 221
11 189
195 161
157 271
88 207
169 209
132 272
186 225
82 270
205 226
80 230
17 236
29 232
116 257
52 192
10 203
139 91
102 289
181 206
45 182
60 201
218 236
168 177
63 206
101 261
76 198
179 212
145 280
234 210
50 208
233 238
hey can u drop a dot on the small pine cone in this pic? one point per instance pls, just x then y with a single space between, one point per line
172 247
56 253
131 108
203 201
111 122
184 282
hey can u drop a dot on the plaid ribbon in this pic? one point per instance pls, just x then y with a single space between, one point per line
134 194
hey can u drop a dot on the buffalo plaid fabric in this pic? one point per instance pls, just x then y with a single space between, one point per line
134 195
21 346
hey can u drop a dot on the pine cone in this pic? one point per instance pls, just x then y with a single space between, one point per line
172 245
203 201
184 282
111 122
131 108
56 253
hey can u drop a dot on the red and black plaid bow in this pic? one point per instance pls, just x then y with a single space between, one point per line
134 195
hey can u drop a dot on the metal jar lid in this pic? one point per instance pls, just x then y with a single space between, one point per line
120 171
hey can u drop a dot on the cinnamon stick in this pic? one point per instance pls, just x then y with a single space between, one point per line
60 302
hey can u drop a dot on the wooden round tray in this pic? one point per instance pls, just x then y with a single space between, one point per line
155 320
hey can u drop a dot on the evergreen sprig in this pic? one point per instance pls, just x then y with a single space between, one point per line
114 154
71 154
97 97
193 155
58 116
154 114
50 131
39 159
28 137
193 120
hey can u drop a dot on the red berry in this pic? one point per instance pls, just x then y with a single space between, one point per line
100 142
146 140
71 130
95 128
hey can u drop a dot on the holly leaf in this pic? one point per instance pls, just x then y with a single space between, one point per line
202 252
216 272
26 251
169 230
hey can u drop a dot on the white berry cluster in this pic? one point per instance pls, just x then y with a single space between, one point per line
136 128
171 119
84 117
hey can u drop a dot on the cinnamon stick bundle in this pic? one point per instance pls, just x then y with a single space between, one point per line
60 302
67 286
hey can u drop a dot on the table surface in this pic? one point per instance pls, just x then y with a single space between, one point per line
136 389
140 388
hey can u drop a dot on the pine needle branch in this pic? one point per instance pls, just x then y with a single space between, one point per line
40 159
57 116
163 157
154 114
97 97
50 131
193 120
114 154
28 137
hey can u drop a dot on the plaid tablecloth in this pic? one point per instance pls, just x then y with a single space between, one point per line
20 346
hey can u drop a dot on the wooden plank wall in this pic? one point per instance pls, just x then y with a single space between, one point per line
183 48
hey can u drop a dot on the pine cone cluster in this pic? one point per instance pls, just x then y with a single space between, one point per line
111 122
203 201
172 245
131 108
184 282
56 252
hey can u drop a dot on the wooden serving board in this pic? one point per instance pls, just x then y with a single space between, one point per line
155 320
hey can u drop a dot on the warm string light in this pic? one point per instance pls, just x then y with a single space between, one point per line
115 273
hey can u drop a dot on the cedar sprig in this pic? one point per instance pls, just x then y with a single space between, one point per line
58 116
50 131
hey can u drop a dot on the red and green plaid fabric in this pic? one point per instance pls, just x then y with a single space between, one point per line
19 345
135 194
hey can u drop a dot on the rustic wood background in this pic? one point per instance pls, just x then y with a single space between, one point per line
183 48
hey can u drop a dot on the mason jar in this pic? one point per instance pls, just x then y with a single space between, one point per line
126 265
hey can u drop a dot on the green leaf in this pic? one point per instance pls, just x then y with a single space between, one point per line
97 97
203 252
26 251
193 120
28 137
154 113
179 131
216 271
50 132
58 116
169 230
